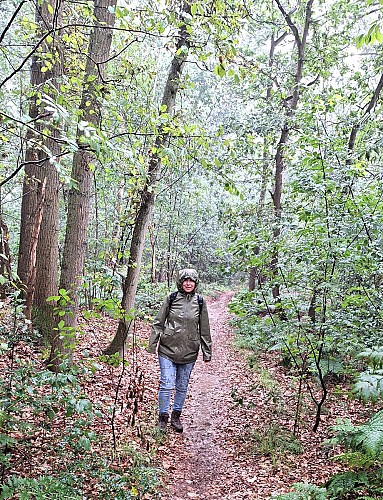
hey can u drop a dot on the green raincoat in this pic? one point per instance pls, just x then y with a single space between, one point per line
180 330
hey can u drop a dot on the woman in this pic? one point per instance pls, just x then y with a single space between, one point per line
180 328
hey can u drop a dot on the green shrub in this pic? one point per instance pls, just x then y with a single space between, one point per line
149 298
369 384
303 491
44 488
37 402
364 453
366 438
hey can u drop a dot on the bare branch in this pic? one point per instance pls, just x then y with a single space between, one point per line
41 161
11 20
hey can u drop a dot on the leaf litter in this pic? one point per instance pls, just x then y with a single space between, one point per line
229 411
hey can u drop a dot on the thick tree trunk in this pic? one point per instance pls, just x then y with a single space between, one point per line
41 281
145 210
79 199
33 257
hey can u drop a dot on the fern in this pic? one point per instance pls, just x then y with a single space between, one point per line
374 356
366 438
304 491
356 459
369 384
341 484
364 448
362 485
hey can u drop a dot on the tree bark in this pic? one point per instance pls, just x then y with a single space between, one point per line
5 259
145 210
41 149
153 259
33 257
291 106
79 199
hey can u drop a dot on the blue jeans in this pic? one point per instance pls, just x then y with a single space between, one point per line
173 375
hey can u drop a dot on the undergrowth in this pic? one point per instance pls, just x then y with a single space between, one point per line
54 439
274 441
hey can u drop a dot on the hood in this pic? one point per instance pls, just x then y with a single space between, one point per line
183 275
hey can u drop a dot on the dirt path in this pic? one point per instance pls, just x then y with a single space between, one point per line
228 405
198 461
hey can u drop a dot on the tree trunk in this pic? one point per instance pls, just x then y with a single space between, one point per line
33 257
116 234
145 210
40 282
291 106
5 259
153 260
79 198
256 274
252 278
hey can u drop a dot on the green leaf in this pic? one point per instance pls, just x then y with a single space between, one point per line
359 41
219 70
378 35
84 442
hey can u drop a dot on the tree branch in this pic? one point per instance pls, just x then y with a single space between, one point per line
369 107
57 29
289 22
35 162
11 20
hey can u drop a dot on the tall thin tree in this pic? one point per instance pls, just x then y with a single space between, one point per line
145 210
290 105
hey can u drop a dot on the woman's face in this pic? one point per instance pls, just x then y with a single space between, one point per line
188 285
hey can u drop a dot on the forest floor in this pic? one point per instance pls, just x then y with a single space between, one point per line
238 421
237 441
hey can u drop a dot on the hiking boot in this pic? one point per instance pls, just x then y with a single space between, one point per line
175 421
163 422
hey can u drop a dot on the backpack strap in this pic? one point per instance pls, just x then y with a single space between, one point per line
200 302
173 295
